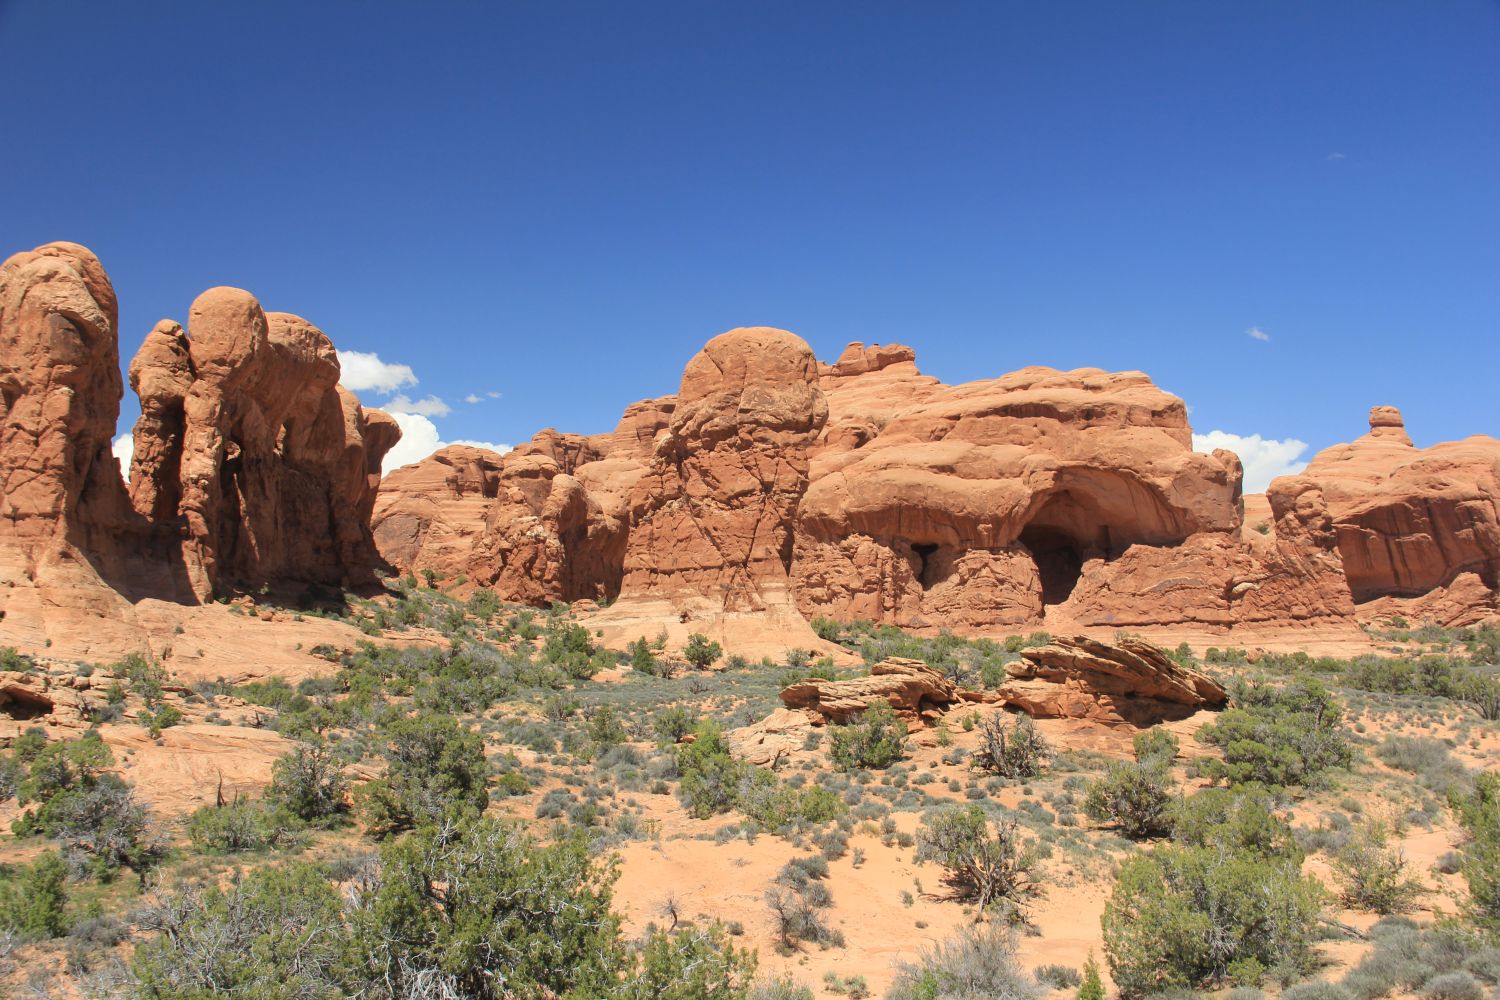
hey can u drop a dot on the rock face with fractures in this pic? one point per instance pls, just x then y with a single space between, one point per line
251 465
777 486
1408 521
1130 681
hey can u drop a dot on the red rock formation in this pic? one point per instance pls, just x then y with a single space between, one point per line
1408 521
246 437
1129 681
60 391
712 516
429 515
979 505
1070 498
250 465
911 686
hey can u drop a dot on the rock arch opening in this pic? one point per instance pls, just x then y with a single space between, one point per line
1059 560
927 563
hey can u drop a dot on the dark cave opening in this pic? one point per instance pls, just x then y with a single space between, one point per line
1059 561
23 706
927 568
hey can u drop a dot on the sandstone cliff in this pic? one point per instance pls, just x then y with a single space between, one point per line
780 488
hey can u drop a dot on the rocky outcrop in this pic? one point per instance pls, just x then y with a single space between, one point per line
429 515
60 391
773 485
712 517
979 505
1407 521
250 466
913 689
1129 681
246 440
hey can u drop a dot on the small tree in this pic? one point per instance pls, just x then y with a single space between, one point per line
701 652
1229 898
1092 987
1277 736
710 775
877 740
34 903
642 660
309 783
1479 812
1137 797
436 770
1011 750
985 862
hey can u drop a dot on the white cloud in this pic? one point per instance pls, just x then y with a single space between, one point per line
361 371
124 449
471 398
499 449
419 438
1336 156
493 394
430 406
1256 333
1264 458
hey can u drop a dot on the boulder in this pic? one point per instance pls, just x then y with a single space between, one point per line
911 686
1130 681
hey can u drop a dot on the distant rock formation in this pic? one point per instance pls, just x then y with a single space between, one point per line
1408 522
777 486
251 465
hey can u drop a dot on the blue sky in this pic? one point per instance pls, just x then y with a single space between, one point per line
560 202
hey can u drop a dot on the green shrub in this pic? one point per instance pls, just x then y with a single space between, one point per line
1156 743
711 776
700 652
309 783
1372 875
1092 987
672 724
1198 912
34 901
277 934
1277 736
1479 812
436 770
239 826
1058 977
877 740
76 801
984 862
1135 796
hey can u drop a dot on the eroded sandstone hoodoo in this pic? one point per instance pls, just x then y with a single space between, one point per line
250 464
